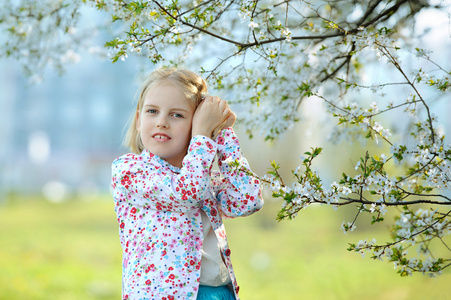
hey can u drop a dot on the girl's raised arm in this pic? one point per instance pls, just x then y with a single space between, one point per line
238 190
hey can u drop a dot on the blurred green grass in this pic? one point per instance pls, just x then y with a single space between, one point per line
71 250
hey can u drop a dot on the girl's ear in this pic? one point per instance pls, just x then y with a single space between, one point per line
137 120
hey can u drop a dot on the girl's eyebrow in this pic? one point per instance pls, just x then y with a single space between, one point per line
175 108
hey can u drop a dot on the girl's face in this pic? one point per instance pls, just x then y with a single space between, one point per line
164 122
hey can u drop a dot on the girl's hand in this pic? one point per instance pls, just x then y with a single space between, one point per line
209 115
230 121
226 124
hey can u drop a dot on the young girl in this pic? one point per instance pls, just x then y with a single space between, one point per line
169 202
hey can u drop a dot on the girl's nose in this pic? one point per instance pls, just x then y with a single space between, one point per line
162 122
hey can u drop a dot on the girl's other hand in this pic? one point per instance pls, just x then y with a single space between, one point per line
209 115
230 121
226 124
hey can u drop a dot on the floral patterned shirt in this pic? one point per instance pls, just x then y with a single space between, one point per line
158 211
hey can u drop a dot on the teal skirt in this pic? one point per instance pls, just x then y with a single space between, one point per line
214 293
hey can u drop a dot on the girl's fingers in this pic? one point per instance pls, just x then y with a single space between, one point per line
223 105
218 129
230 121
217 105
212 115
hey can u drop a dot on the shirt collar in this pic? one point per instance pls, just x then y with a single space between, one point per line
148 156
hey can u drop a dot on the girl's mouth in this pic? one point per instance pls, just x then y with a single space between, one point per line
161 137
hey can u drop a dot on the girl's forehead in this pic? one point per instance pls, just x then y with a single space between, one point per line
167 94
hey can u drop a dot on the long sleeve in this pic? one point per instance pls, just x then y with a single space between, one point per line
238 191
143 182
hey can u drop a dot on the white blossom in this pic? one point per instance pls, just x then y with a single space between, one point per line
253 25
357 165
374 107
345 227
377 127
287 34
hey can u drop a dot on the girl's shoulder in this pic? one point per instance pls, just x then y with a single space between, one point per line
129 157
133 160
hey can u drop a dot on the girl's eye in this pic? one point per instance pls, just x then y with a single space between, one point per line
152 111
177 115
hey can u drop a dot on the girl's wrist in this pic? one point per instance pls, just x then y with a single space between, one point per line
201 132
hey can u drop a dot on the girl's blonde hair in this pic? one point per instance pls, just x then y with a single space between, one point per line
191 84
